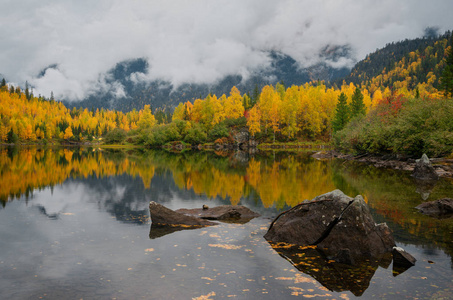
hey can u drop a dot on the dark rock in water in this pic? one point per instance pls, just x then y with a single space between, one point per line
238 213
162 216
441 209
402 258
334 239
401 261
198 217
166 221
334 222
424 170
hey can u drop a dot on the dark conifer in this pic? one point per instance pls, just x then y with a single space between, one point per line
341 117
357 105
446 81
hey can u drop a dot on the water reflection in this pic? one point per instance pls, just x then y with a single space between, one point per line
123 182
333 275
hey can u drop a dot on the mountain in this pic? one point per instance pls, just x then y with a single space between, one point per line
134 94
406 64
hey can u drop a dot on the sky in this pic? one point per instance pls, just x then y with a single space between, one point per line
196 41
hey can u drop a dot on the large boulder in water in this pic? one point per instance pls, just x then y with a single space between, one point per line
424 170
339 226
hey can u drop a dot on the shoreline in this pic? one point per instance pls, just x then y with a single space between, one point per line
443 166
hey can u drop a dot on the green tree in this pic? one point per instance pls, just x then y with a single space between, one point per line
116 136
446 81
357 105
341 117
12 137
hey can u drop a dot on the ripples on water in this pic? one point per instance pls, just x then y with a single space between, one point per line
75 224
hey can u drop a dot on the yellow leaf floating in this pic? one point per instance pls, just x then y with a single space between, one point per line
225 246
205 297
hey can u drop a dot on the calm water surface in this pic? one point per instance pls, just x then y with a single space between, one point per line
74 224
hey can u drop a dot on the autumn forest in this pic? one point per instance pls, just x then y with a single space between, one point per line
310 111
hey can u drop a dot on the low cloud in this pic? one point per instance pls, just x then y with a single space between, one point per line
193 41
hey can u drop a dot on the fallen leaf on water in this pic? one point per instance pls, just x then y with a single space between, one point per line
205 297
344 296
284 278
207 278
149 250
225 246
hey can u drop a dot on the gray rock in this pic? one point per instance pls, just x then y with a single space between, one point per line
401 260
441 208
424 170
333 222
238 213
165 217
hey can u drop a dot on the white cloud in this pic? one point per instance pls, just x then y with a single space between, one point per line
193 41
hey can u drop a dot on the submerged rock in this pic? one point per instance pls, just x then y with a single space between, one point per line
197 217
166 221
238 213
441 208
162 216
340 226
424 170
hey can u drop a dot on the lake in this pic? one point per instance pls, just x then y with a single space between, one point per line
75 224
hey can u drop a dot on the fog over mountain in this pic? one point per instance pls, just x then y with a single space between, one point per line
74 48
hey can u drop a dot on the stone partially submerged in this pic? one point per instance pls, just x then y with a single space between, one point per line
441 208
166 221
424 170
232 213
163 217
334 239
340 226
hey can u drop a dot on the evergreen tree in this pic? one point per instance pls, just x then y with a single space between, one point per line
27 91
12 137
357 105
341 117
446 80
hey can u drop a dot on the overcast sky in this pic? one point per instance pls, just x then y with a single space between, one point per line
191 40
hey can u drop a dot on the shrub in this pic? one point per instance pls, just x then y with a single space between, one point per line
115 136
410 127
195 135
219 131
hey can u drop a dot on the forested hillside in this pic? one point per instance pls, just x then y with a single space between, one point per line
272 113
404 66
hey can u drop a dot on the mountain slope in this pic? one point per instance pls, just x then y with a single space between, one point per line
128 92
408 64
